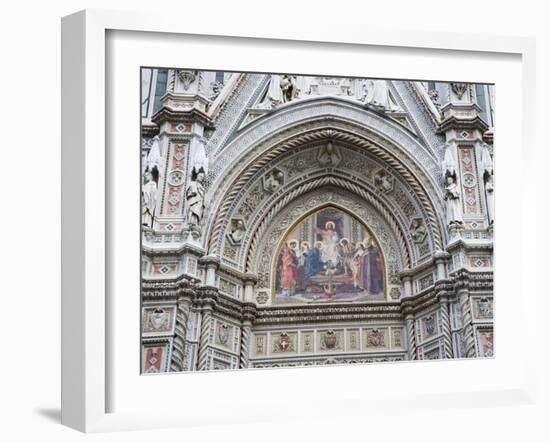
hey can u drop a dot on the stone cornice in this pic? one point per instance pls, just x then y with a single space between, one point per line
454 122
333 313
206 296
149 129
169 115
210 261
466 245
209 297
178 250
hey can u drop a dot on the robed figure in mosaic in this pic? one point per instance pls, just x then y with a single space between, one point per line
345 264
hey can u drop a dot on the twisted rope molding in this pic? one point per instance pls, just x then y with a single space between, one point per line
446 326
467 327
245 338
205 336
216 237
178 348
317 183
411 340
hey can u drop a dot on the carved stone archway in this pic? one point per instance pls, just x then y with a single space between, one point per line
221 207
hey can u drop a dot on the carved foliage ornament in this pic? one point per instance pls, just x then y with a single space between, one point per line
459 89
187 77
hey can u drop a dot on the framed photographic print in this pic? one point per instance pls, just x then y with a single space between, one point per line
240 203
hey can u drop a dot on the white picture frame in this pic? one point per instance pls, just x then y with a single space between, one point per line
87 310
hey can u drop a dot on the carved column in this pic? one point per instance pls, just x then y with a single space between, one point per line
411 335
467 327
406 277
207 297
182 317
249 314
440 261
249 283
445 324
211 263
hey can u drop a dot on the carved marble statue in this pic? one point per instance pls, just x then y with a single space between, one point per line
302 86
148 200
378 94
274 95
273 181
237 231
490 196
329 156
195 200
217 87
452 197
383 181
288 88
488 179
418 230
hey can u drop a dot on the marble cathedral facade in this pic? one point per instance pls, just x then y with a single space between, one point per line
233 162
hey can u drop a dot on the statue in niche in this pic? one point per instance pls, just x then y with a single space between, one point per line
288 88
377 94
274 95
195 200
329 156
148 200
488 179
489 191
217 87
383 181
273 180
418 230
452 198
237 231
302 86
434 97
